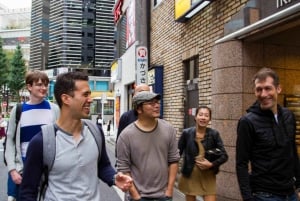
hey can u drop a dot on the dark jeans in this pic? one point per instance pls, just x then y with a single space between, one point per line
154 199
263 196
12 188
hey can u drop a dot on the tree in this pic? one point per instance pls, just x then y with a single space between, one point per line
17 73
4 67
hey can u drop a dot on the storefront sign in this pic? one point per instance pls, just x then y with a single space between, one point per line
181 7
151 76
185 9
281 3
117 113
116 71
118 10
141 65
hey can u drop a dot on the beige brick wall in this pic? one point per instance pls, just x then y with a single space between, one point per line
170 39
171 42
224 81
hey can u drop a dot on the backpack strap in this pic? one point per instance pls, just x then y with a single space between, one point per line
49 151
96 132
49 145
19 108
18 112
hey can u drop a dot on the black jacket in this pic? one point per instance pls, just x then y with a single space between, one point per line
189 147
270 148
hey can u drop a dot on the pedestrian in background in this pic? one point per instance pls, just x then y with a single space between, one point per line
199 168
78 163
108 127
266 139
131 115
35 112
147 151
99 120
3 125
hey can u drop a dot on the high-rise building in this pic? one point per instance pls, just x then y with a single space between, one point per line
15 29
39 41
73 34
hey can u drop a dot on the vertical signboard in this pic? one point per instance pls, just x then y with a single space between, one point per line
130 24
118 10
116 71
141 65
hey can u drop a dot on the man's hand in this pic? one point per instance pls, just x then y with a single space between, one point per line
124 182
16 177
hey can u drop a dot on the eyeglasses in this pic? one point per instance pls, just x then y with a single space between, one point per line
152 102
39 84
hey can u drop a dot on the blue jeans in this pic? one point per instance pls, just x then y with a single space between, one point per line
12 188
263 196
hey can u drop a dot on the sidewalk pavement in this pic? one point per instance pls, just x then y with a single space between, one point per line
177 195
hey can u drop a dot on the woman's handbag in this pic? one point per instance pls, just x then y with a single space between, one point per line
213 154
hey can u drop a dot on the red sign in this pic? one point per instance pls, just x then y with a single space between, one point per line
118 10
142 52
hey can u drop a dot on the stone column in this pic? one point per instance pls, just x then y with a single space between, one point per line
233 65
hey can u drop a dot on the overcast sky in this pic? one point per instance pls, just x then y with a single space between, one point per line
16 3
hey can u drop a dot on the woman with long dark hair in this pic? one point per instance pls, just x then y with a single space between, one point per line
203 153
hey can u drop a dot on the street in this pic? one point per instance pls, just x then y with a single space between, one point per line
107 193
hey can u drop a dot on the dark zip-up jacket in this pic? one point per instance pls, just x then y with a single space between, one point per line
188 146
270 148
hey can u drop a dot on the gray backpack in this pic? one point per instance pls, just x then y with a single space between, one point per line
49 149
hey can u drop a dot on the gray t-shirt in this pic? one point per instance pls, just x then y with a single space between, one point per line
146 155
74 173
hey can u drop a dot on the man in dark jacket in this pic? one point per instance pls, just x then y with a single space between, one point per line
266 139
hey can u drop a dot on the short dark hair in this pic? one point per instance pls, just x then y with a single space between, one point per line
263 73
35 76
65 84
203 107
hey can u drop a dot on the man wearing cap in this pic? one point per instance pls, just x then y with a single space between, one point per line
131 115
147 150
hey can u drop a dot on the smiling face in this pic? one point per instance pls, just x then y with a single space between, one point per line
38 89
81 100
267 94
203 117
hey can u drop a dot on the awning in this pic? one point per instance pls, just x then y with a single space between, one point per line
98 94
275 18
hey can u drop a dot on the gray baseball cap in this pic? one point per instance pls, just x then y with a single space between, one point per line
144 96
